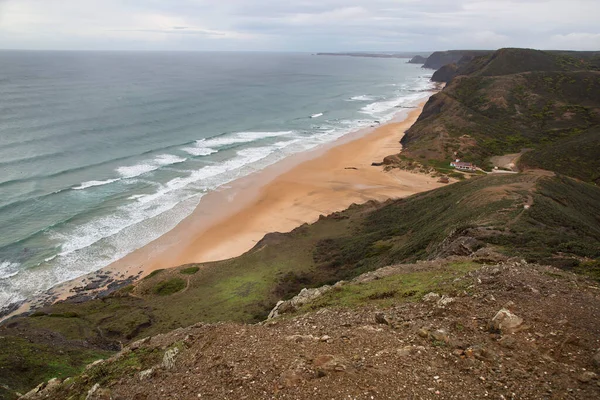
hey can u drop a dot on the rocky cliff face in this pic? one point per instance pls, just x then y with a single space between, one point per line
445 73
418 60
441 58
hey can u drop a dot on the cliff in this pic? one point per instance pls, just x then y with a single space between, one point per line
445 73
375 55
512 100
418 60
440 58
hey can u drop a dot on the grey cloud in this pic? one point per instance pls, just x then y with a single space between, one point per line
303 25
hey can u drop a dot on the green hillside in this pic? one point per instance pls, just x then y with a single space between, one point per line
514 100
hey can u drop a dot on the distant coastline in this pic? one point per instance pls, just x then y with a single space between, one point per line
377 55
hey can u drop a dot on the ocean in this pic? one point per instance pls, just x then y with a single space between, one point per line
103 152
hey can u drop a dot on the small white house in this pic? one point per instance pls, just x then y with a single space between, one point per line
463 166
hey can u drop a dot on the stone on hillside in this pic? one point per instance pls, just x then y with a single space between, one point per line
301 338
423 332
382 318
509 305
169 358
139 343
329 362
97 362
431 297
290 378
275 311
93 389
305 296
507 341
32 393
440 335
146 374
409 350
506 322
596 359
587 376
444 301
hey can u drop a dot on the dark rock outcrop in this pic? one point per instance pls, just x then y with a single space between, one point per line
445 74
418 60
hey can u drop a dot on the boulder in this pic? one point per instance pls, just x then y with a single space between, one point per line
305 296
444 301
440 335
382 318
301 338
505 322
169 358
146 374
596 359
431 297
328 362
92 391
587 376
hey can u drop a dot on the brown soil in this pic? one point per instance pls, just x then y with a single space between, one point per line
387 353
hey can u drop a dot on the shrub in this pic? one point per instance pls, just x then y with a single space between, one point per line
190 270
153 273
171 286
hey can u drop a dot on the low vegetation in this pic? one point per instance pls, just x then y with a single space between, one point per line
516 99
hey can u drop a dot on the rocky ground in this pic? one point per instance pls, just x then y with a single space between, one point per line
512 331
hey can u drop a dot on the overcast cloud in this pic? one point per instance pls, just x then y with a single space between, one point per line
299 25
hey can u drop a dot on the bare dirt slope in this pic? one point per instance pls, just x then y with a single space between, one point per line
544 344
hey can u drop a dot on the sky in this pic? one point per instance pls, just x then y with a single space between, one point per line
299 25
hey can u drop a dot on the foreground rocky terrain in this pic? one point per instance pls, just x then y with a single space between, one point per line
507 330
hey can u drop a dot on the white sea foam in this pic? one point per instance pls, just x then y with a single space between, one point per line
89 184
168 159
131 171
363 97
252 136
375 109
8 269
205 147
136 170
199 151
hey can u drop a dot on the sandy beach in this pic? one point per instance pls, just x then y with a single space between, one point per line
297 190
230 221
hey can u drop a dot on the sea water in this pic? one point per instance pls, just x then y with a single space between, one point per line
103 152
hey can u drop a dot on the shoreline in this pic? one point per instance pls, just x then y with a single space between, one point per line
232 219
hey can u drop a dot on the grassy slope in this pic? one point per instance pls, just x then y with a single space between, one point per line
512 100
562 227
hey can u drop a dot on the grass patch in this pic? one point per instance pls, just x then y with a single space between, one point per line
189 270
154 273
37 362
171 286
403 287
